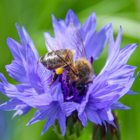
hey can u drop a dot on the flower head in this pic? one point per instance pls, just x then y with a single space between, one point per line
60 100
115 80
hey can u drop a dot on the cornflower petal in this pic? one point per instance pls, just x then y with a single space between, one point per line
15 104
58 28
117 105
89 27
71 17
62 121
30 43
93 116
69 107
97 42
83 118
12 104
18 69
130 92
105 114
23 111
39 115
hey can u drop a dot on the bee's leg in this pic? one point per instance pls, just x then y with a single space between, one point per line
60 78
67 79
74 84
54 78
70 90
83 90
60 81
69 85
88 81
91 60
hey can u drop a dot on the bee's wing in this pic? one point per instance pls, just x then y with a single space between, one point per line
53 45
76 41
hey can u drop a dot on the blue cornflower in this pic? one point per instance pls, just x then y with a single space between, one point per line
56 102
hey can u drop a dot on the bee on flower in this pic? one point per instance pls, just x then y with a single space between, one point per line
62 84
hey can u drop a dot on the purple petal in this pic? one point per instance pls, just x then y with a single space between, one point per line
32 67
121 58
89 27
93 116
39 76
17 72
26 88
45 77
51 43
62 121
62 22
30 59
126 52
103 100
6 88
3 79
75 40
12 104
99 82
49 122
113 50
117 105
25 39
130 92
97 42
69 107
15 48
15 104
112 123
44 112
111 43
106 114
52 114
39 115
17 113
30 42
71 17
12 91
37 101
25 110
57 93
123 72
127 88
17 69
59 30
105 126
22 39
22 111
83 118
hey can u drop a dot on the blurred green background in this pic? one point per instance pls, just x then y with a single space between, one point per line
35 15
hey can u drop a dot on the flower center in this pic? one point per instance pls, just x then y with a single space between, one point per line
71 90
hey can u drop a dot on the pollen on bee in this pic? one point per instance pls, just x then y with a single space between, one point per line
59 70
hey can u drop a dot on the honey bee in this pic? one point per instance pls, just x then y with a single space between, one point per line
79 71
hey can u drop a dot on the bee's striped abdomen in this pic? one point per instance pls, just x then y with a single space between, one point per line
54 59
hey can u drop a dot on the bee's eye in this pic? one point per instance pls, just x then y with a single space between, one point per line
81 87
77 75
